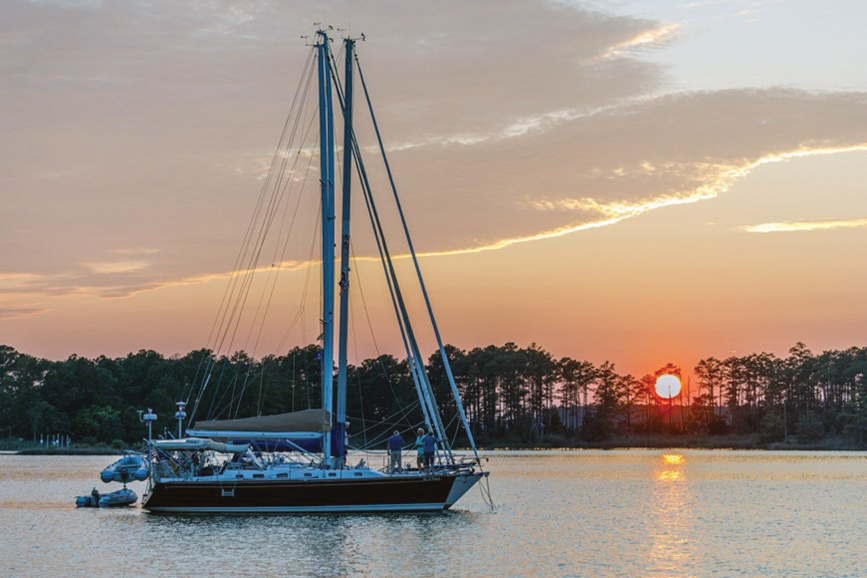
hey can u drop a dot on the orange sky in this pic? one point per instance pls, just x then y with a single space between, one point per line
613 184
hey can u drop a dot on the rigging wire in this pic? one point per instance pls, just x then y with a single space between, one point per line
357 376
413 355
272 279
232 315
234 291
387 420
422 285
378 360
252 252
285 191
299 314
250 227
362 177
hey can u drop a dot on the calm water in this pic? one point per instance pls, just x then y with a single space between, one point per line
630 512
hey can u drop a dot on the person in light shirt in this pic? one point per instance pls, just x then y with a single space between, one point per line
419 446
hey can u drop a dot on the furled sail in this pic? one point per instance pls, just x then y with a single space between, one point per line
308 421
294 431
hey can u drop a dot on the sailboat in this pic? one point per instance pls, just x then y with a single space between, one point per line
297 461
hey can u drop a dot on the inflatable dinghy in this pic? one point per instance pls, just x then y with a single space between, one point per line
123 497
126 469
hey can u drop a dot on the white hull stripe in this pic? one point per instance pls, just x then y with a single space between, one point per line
308 509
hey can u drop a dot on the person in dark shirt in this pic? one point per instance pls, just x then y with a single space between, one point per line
94 494
430 450
395 445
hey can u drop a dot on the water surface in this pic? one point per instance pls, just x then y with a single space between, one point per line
559 513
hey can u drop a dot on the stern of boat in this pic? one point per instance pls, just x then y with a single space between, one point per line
462 484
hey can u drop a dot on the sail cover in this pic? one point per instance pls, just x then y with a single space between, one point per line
308 420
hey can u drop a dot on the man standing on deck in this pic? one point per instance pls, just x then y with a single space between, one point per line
395 445
430 450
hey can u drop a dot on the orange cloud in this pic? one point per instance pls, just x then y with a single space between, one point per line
116 266
793 226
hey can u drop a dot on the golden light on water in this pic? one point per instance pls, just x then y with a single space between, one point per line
669 528
673 459
672 470
670 476
667 386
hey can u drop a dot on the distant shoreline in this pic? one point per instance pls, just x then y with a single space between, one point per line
69 452
730 442
677 442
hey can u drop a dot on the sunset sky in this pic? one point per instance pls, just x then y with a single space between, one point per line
640 181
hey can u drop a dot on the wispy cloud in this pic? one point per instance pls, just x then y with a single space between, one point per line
515 128
16 311
794 226
11 277
135 252
581 142
717 180
116 266
646 38
133 289
120 279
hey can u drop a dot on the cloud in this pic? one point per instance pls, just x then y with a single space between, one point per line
135 252
19 283
118 282
16 311
621 162
798 226
116 266
653 37
505 126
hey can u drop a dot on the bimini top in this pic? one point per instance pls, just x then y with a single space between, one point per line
194 444
316 421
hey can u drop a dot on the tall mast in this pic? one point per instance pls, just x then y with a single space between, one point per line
344 252
326 155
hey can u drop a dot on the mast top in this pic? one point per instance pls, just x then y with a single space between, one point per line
322 35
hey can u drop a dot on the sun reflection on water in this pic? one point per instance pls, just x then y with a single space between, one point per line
670 476
669 523
672 459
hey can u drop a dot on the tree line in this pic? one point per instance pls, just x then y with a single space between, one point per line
511 394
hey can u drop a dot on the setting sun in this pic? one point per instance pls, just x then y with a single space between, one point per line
667 386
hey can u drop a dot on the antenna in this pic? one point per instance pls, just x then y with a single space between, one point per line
150 417
180 415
